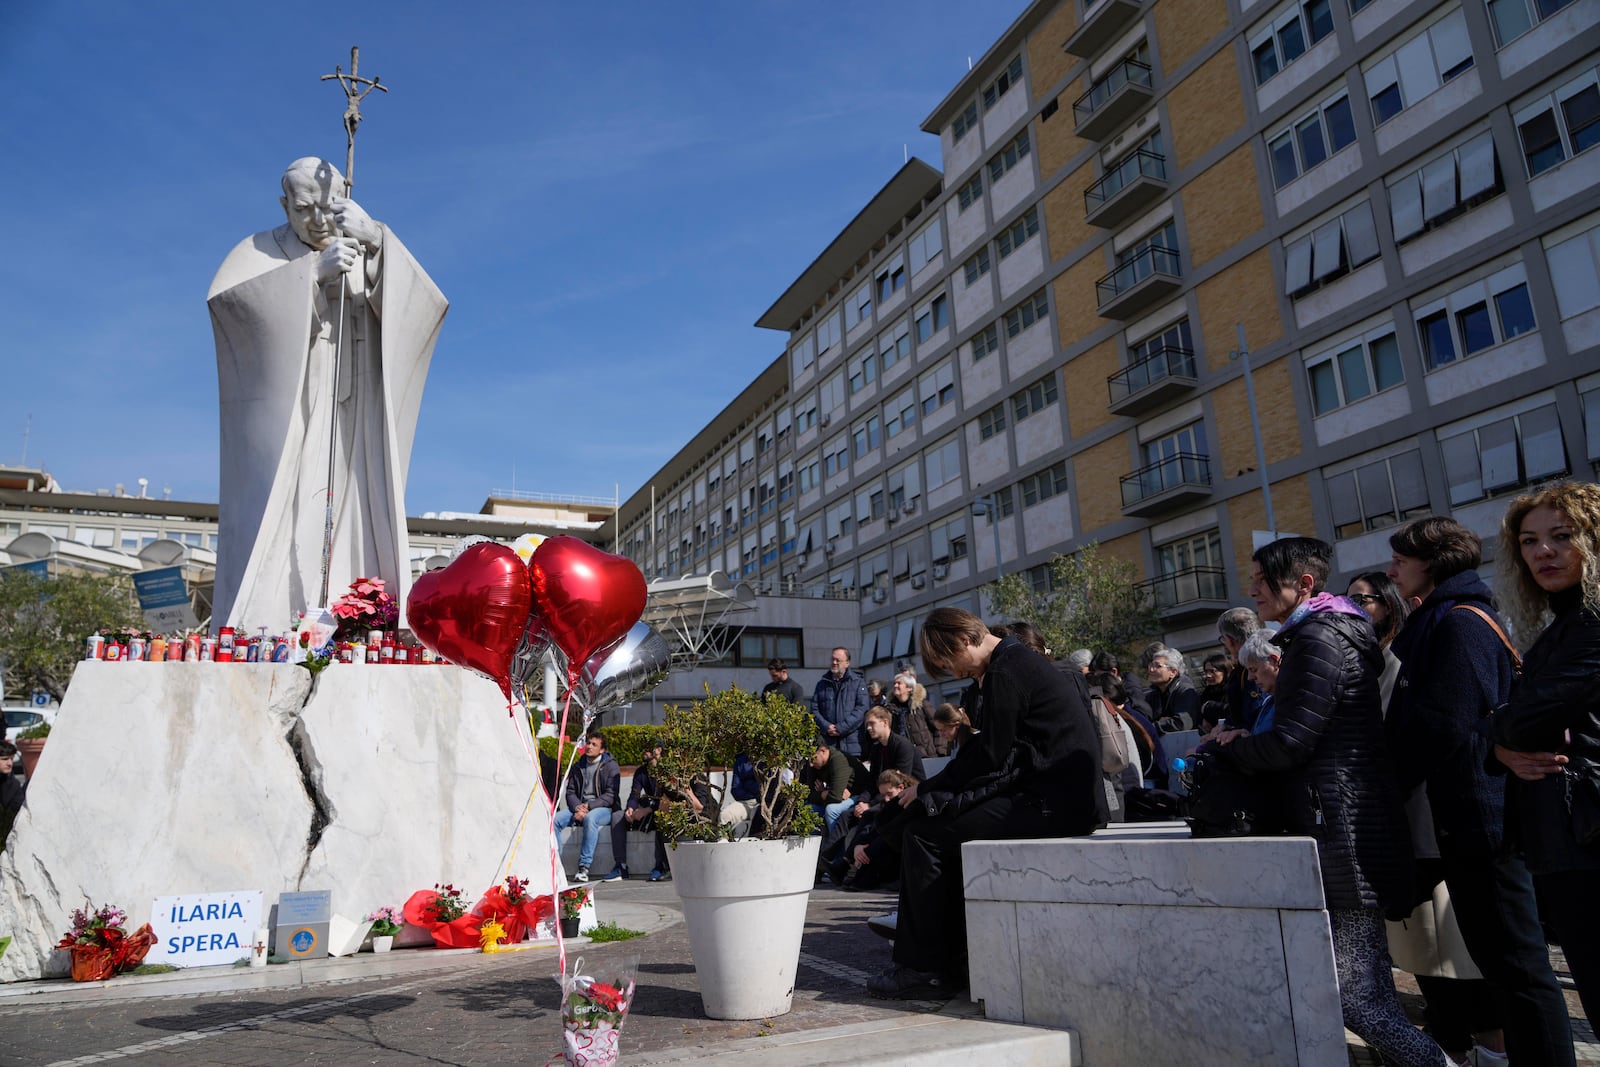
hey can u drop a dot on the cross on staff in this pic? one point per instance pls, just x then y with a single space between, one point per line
353 93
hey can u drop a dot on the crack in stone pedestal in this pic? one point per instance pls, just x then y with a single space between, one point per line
322 811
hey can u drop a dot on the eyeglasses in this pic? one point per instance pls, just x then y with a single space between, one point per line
1364 598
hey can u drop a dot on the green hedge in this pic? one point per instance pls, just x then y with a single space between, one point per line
626 744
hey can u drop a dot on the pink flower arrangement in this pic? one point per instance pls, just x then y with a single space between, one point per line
365 607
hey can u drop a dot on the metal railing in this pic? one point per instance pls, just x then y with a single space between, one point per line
553 498
1128 72
1182 468
1148 261
1141 162
1187 586
1168 361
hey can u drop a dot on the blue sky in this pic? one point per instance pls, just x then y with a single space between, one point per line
608 193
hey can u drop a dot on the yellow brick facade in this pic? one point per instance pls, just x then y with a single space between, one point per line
1085 387
1222 206
1291 509
1280 430
1243 293
1063 211
1183 26
1128 549
1047 62
1074 299
1097 472
1057 143
1205 107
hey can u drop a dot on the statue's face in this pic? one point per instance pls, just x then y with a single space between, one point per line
309 206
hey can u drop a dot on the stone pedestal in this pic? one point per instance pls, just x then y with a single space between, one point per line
1158 948
169 778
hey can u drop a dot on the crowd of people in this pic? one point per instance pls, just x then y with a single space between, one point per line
1451 784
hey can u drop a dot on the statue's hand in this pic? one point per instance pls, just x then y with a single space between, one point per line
354 222
340 257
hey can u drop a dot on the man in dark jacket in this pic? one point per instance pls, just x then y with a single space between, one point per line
888 750
832 778
593 793
1174 702
640 814
782 684
1032 771
1455 669
839 704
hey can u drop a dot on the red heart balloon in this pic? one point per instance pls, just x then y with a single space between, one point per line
588 598
474 611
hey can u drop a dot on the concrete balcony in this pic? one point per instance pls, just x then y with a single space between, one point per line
1152 274
1130 187
1180 479
1163 375
1126 90
1101 23
1196 592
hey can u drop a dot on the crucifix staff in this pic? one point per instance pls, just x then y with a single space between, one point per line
356 89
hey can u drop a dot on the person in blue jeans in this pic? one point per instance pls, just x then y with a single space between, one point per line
594 789
828 777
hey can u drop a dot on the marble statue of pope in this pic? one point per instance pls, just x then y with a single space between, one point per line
275 308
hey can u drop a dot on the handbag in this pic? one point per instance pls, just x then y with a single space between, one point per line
1224 801
1114 755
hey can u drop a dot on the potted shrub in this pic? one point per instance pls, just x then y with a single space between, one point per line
386 922
100 944
572 902
30 743
744 902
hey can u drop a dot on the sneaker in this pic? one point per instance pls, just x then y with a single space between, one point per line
658 875
582 875
906 983
618 873
885 925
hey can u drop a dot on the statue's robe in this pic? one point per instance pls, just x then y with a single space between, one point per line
275 331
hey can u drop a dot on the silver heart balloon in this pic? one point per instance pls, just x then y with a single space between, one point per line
527 663
628 669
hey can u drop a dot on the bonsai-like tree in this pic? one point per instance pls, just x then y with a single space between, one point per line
43 623
1094 601
775 734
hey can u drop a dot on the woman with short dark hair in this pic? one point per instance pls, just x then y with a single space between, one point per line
1456 667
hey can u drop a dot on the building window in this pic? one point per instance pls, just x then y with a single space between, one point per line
938 387
1002 84
905 485
803 353
1311 138
894 345
1575 270
859 306
1035 398
1333 249
1557 127
970 191
967 120
1008 157
864 372
1191 441
868 435
992 422
1476 317
1503 455
977 266
1035 308
1513 18
949 540
1284 39
1203 551
1445 187
891 277
901 413
840 520
804 419
1354 371
1018 233
1591 425
927 243
1376 495
1044 485
985 342
943 463
836 456
831 394
934 317
1418 67
828 334
810 476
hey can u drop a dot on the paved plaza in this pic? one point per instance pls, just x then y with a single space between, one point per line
465 1008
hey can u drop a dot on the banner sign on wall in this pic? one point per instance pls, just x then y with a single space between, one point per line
205 929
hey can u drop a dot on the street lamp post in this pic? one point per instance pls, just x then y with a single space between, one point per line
985 505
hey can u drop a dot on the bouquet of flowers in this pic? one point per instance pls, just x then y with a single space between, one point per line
386 921
447 904
573 900
593 1008
365 607
512 907
442 912
100 946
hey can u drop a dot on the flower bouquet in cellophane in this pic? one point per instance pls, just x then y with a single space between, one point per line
593 1008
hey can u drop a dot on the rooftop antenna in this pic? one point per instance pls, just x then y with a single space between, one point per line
144 483
27 428
905 153
969 62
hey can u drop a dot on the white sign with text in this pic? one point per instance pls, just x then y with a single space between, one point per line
205 929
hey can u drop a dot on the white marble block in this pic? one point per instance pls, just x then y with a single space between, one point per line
163 778
1154 947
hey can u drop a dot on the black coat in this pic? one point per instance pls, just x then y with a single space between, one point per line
1038 742
1177 707
1454 671
1326 743
788 689
1558 695
896 753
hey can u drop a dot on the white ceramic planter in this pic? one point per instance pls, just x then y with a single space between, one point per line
744 903
383 942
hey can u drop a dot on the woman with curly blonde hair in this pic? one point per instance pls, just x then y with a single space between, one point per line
1548 734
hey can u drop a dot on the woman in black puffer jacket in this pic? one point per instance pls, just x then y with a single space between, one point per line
1325 755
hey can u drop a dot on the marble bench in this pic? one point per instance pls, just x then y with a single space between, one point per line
1154 947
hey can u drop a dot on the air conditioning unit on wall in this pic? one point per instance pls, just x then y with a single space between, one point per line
879 596
940 570
918 581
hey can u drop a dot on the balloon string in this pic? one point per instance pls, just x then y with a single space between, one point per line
522 823
555 848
